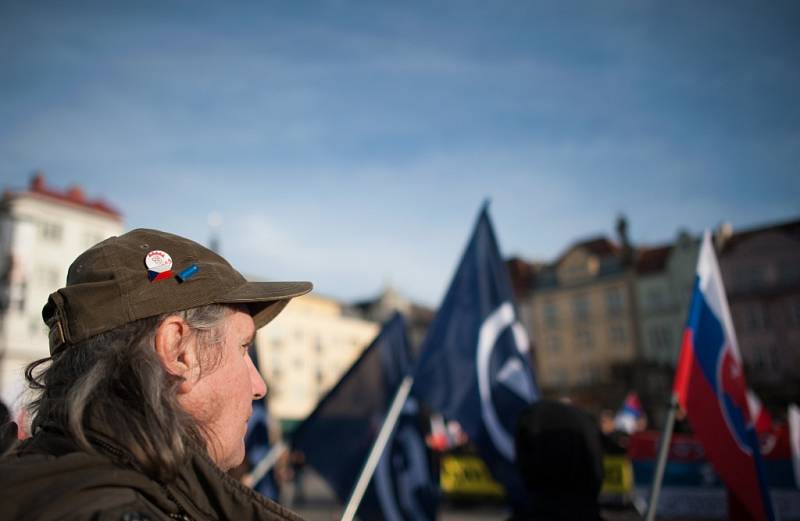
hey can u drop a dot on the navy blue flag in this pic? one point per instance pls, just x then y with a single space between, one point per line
337 437
257 443
473 365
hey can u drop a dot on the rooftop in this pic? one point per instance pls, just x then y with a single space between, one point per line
73 195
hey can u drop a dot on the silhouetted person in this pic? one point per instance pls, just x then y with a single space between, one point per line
560 456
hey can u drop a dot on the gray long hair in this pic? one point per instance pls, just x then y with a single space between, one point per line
115 383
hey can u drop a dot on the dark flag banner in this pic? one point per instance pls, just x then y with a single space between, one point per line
474 365
257 444
337 437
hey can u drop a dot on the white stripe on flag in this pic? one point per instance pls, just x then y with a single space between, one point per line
794 440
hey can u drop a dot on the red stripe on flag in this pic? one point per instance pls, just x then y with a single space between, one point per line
685 363
736 468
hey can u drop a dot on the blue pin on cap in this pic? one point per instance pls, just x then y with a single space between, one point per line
188 272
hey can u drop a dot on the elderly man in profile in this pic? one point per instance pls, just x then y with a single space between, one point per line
143 404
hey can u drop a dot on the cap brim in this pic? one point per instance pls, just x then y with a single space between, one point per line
265 299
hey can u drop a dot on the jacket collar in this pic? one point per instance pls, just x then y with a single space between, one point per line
201 490
204 491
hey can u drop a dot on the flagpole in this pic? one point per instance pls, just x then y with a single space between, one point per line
268 461
661 463
377 448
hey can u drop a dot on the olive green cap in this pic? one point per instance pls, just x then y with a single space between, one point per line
108 286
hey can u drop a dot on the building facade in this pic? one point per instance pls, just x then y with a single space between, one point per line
664 280
606 318
42 230
580 314
305 350
761 271
390 301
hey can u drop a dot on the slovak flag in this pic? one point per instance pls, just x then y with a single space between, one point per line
631 411
711 388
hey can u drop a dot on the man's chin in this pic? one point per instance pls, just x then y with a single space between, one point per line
231 459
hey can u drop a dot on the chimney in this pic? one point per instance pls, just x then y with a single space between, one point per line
75 194
37 181
622 234
722 234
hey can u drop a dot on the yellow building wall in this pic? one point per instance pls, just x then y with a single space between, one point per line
306 349
578 343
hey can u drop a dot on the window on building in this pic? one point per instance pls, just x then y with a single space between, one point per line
554 344
588 374
614 301
765 362
670 342
559 377
654 333
759 359
617 336
48 277
756 316
580 307
51 232
584 339
655 299
550 314
576 270
661 338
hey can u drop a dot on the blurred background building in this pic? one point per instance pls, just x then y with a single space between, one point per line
580 311
304 352
664 279
605 318
42 230
391 300
761 270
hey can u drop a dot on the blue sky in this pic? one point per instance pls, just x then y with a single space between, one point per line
352 143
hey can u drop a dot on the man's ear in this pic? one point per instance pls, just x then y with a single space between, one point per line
176 347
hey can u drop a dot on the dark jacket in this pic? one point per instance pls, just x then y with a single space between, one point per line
48 477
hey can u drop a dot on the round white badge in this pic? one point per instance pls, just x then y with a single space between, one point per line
158 261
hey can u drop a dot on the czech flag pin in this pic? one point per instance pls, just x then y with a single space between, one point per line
159 265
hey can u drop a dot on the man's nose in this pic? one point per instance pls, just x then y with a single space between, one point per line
257 382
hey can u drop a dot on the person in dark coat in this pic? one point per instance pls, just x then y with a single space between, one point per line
560 457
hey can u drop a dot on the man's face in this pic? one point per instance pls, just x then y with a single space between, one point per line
222 398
